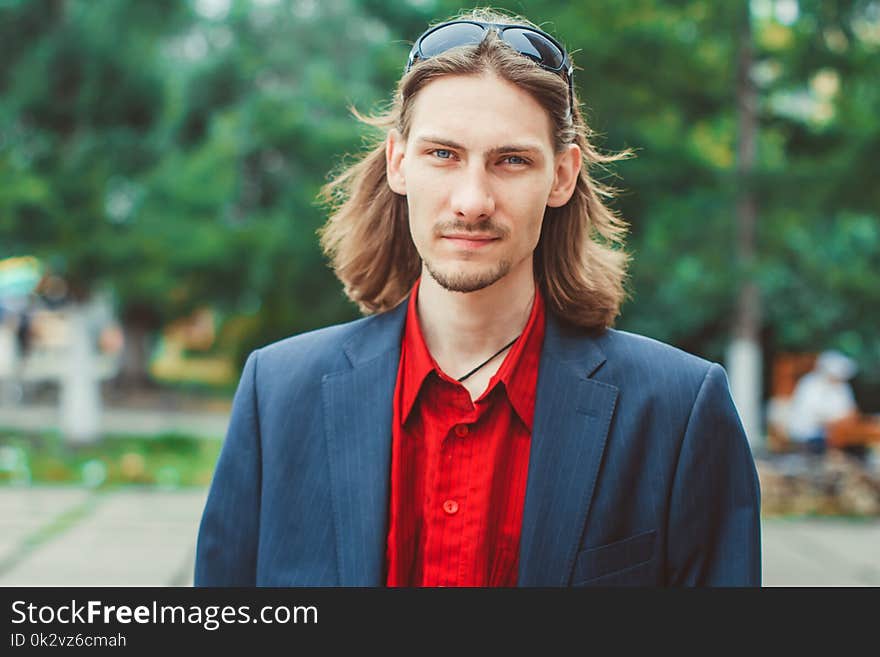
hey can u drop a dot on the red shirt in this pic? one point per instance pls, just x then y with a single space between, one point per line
459 468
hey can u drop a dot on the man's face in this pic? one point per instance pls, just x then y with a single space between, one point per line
478 171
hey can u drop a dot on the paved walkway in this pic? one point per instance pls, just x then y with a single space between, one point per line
73 537
821 552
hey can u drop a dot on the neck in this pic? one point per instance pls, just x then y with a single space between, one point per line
461 329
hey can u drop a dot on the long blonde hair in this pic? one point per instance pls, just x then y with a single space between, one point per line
579 263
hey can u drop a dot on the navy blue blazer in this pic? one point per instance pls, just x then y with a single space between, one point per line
639 469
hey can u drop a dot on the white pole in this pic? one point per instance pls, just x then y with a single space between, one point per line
744 371
80 389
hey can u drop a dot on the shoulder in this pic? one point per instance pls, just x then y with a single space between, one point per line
638 351
327 337
680 392
313 352
665 379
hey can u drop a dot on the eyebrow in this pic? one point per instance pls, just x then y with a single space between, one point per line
498 150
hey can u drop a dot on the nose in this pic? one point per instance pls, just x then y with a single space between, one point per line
473 198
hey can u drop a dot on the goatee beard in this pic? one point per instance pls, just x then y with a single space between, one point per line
468 282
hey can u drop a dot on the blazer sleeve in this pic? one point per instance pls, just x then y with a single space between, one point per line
714 532
226 550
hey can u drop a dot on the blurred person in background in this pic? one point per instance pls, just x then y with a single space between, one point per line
20 314
821 398
24 337
484 425
24 332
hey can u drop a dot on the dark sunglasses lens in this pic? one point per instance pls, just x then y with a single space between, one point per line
536 47
451 36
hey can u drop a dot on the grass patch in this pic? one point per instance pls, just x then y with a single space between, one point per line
166 461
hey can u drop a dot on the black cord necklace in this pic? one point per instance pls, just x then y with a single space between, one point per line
490 358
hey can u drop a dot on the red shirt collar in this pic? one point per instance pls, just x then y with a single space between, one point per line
518 371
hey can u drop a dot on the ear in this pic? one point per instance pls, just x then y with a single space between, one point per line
395 146
568 168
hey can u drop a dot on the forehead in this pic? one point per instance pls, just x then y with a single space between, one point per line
479 111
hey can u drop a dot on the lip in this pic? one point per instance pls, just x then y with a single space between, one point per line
470 241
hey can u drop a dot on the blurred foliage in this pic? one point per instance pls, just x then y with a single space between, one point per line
166 461
173 150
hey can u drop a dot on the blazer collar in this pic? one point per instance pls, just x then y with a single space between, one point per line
380 334
573 347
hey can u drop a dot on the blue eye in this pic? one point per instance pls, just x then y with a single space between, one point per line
516 159
442 153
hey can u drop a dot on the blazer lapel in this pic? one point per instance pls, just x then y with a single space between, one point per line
357 407
572 417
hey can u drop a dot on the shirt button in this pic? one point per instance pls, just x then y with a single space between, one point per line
461 430
451 507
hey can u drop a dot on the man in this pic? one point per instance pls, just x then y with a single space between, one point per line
484 425
822 398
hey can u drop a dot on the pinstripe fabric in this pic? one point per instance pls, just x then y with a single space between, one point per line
639 470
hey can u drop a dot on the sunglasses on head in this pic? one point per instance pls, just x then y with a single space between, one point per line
538 46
